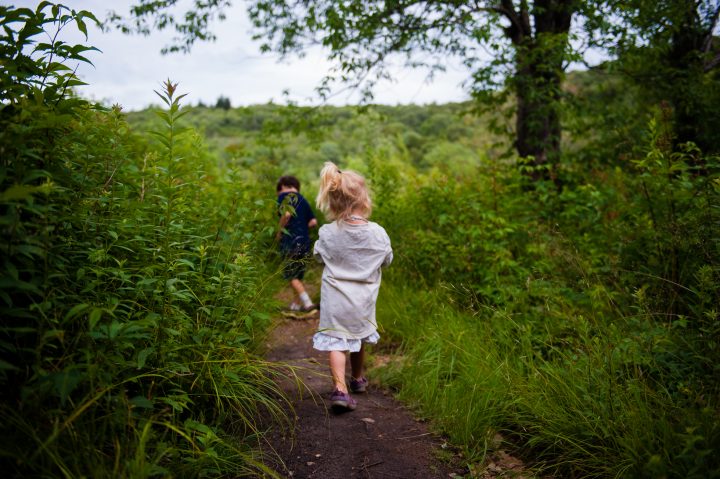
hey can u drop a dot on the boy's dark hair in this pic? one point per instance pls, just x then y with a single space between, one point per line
290 181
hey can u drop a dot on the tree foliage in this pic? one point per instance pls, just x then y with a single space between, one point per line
147 16
40 69
521 45
675 55
223 103
521 48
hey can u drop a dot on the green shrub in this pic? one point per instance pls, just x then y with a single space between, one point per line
131 294
580 324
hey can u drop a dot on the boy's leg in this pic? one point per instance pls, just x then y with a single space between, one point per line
301 295
289 273
337 369
296 272
357 362
298 286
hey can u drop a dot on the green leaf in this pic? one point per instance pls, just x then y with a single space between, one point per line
163 114
19 285
54 333
142 402
94 317
176 405
76 310
4 365
55 67
142 357
114 329
11 270
65 382
19 192
87 14
81 26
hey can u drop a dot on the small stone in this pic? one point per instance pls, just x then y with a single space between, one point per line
318 455
368 420
310 463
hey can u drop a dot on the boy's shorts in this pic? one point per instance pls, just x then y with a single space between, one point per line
294 266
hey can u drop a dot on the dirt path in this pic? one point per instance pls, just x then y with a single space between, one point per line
379 439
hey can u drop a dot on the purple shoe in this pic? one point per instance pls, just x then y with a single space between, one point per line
341 400
359 385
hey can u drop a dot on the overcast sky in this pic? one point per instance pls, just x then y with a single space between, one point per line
130 67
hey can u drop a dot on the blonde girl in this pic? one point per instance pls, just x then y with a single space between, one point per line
353 250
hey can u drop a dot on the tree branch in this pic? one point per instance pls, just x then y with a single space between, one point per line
519 22
707 44
712 64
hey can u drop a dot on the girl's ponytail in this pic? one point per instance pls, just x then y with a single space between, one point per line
342 192
330 180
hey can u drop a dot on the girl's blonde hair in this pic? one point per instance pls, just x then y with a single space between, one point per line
342 192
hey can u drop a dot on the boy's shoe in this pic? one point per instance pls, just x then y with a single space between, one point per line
292 307
300 315
358 385
312 307
341 400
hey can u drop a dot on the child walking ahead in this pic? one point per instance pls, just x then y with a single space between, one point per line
353 250
296 217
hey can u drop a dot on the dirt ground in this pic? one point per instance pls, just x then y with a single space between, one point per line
379 439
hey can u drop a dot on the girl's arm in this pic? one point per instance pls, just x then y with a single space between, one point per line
388 253
388 257
319 248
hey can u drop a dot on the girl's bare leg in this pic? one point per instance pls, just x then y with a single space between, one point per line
357 362
337 369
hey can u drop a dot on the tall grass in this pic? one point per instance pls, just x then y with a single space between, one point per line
579 324
134 286
581 411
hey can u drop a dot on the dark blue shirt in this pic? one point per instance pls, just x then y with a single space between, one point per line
296 238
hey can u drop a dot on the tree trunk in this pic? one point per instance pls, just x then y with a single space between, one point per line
538 80
684 59
537 120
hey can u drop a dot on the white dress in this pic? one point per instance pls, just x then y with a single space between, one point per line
354 255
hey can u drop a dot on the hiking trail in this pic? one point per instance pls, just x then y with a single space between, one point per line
380 439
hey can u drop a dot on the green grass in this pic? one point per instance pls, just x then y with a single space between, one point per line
580 411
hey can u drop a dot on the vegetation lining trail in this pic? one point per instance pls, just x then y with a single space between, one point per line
575 309
379 439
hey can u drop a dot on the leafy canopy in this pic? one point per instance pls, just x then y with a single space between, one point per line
366 39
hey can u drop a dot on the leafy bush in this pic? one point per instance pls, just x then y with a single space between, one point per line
131 294
579 323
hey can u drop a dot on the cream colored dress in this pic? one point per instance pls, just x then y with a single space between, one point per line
354 255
